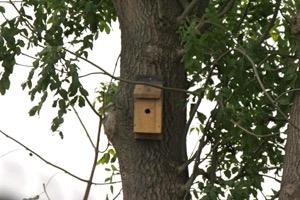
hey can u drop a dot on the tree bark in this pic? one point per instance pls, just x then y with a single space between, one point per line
290 185
149 47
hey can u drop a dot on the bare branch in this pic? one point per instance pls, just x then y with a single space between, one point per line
288 91
90 182
51 164
83 126
188 9
11 1
12 151
45 191
117 194
89 74
251 133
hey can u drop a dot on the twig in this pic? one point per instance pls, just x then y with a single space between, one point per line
243 17
265 175
92 107
189 8
51 164
104 71
202 143
84 127
251 133
201 95
23 65
29 56
89 74
46 193
90 182
15 1
226 8
242 51
271 24
12 151
117 194
291 90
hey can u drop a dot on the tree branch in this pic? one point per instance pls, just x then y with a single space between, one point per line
183 3
251 133
226 8
188 10
243 17
201 95
90 182
84 128
104 71
264 90
89 74
271 24
45 191
117 194
51 164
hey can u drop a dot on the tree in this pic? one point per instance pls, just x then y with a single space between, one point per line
238 54
290 178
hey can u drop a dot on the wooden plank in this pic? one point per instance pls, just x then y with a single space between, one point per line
145 114
146 92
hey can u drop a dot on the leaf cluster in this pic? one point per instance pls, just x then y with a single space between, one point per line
53 27
238 160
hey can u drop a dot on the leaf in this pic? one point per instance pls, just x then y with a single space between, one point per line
227 173
111 189
81 102
33 110
104 159
2 9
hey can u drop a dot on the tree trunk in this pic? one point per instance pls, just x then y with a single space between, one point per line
290 185
149 47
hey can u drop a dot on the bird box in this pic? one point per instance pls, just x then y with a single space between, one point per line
147 112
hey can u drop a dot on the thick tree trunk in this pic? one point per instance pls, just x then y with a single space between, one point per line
149 47
290 185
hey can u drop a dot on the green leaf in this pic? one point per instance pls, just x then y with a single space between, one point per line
33 110
81 102
2 9
104 159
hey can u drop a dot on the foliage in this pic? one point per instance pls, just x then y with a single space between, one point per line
218 47
261 29
53 27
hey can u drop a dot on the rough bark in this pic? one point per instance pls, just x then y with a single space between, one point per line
149 47
290 185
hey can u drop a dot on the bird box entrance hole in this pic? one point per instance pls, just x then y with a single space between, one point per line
147 110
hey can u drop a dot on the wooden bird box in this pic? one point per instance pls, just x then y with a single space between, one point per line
147 112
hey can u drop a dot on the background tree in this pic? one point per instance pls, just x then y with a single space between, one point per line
290 179
240 55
